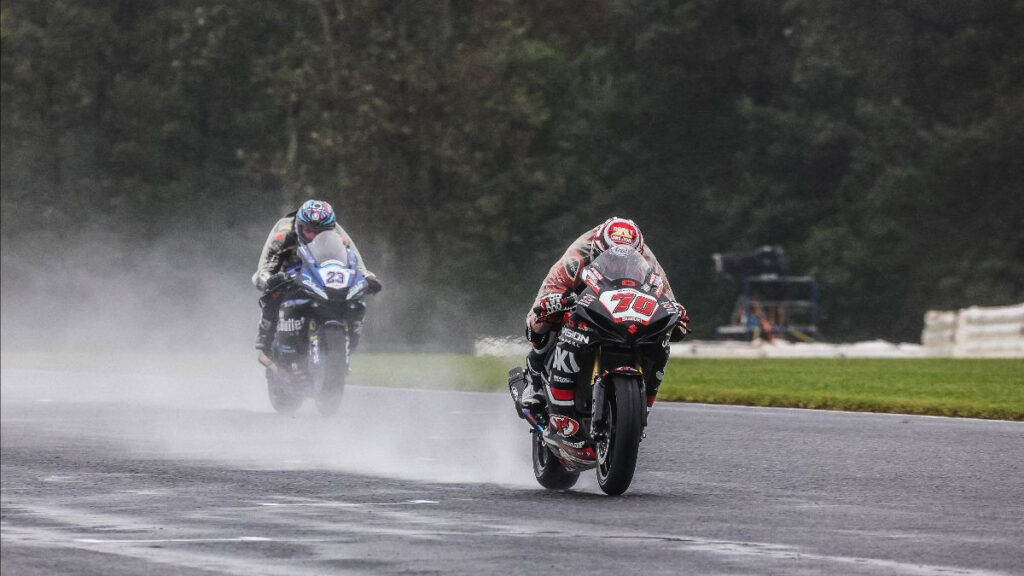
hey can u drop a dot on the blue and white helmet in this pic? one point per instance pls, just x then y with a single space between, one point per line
314 217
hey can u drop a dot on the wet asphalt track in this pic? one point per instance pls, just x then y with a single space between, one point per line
139 475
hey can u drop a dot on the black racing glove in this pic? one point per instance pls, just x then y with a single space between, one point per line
537 339
679 332
276 280
682 327
373 285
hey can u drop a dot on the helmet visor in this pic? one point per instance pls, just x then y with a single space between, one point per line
308 232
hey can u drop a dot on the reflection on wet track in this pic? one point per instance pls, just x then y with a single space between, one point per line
121 474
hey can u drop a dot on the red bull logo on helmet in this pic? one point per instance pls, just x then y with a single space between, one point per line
621 232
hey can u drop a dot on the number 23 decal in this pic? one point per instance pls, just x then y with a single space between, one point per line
335 278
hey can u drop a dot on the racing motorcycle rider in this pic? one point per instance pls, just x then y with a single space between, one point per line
544 325
303 225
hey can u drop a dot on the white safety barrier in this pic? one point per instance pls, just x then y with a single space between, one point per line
517 347
783 349
989 332
508 346
969 333
939 333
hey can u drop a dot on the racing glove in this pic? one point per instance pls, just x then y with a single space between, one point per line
682 327
373 285
537 339
276 280
553 306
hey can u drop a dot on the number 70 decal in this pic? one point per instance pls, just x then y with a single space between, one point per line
629 305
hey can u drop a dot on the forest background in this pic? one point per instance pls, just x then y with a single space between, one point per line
148 147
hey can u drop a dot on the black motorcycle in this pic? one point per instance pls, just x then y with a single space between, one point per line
624 305
322 306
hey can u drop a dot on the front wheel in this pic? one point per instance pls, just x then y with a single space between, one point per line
616 454
548 470
333 351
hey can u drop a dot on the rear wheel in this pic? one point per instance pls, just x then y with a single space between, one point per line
616 454
548 470
282 399
333 370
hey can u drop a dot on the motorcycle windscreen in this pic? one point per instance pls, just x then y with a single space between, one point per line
331 265
328 246
622 263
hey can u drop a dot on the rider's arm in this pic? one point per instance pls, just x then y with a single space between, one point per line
270 257
653 261
564 276
352 246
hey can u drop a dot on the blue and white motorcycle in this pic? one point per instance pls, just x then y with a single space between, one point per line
318 325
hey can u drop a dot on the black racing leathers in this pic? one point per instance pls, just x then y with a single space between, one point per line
279 254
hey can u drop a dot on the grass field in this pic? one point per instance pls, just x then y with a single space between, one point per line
939 386
945 387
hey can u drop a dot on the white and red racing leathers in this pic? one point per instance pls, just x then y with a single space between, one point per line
565 275
571 355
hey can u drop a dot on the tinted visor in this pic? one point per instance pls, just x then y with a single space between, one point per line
308 232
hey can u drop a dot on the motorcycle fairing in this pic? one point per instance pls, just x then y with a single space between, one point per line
329 269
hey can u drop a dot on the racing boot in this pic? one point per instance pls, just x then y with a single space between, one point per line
525 394
532 396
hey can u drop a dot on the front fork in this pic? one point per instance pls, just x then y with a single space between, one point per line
303 337
599 419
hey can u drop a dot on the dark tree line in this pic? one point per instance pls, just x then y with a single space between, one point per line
465 143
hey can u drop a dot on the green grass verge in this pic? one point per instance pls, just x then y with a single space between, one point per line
938 386
943 387
451 371
448 371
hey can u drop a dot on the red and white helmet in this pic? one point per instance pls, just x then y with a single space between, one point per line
618 232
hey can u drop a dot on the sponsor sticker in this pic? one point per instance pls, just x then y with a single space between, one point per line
592 279
584 454
572 267
564 425
290 325
574 336
566 361
316 289
622 233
